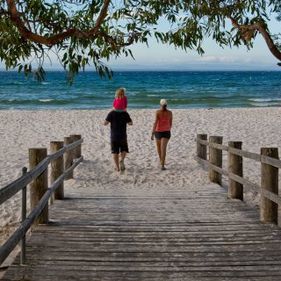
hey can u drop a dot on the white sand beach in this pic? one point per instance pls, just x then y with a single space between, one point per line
20 130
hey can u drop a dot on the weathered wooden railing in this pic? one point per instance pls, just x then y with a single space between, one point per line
270 164
64 158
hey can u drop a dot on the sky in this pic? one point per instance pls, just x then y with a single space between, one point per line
160 57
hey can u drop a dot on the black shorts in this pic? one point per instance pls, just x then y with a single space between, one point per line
160 135
119 146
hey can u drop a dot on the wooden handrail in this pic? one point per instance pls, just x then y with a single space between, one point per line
250 155
246 154
11 189
269 176
247 184
218 146
68 147
40 204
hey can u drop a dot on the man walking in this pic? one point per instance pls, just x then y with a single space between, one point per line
118 135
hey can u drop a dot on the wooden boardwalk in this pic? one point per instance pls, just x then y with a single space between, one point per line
191 234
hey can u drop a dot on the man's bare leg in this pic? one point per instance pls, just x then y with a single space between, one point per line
116 161
122 165
123 155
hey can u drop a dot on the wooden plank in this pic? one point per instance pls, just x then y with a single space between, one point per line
188 272
88 254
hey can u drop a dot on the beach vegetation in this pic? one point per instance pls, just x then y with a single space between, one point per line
91 32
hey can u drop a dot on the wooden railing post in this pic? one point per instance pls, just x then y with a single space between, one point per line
40 185
201 148
77 150
68 158
23 217
57 168
235 166
269 181
215 158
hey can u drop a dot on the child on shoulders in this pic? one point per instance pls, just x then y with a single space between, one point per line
120 102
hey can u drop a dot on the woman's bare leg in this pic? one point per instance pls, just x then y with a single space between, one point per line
164 142
158 146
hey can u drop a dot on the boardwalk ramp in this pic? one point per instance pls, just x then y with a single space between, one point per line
194 233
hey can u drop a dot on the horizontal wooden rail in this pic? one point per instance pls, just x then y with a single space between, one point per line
14 239
68 147
269 178
219 146
11 189
250 155
246 154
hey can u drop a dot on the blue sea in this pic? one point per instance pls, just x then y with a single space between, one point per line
190 89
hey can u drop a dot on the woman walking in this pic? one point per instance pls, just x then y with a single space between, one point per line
162 130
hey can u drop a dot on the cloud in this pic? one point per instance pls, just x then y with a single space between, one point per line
218 59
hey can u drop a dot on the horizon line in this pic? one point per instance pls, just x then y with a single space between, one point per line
161 70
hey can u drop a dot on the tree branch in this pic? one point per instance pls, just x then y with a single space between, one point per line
52 40
109 39
101 17
248 32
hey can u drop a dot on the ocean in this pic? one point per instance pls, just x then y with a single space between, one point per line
189 89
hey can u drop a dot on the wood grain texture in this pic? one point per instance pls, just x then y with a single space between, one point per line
215 158
269 182
39 185
191 234
235 166
57 168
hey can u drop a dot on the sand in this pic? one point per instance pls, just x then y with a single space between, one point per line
21 130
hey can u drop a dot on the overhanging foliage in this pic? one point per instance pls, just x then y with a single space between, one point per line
84 32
